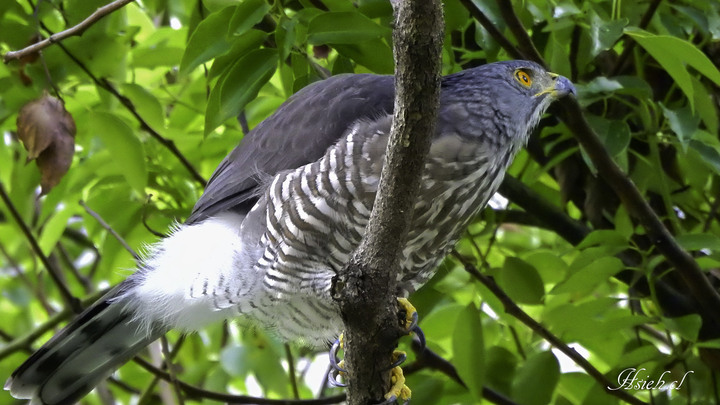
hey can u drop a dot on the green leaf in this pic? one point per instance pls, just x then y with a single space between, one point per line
242 45
707 146
682 122
603 33
603 237
239 85
146 104
675 63
468 349
343 28
698 241
535 381
521 281
376 55
247 14
53 229
128 155
503 364
208 40
615 134
586 279
235 359
705 106
687 326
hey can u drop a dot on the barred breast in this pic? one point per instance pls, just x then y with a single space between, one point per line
316 216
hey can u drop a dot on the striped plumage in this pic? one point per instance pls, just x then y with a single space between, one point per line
283 212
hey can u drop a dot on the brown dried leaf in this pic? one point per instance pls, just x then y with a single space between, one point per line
47 131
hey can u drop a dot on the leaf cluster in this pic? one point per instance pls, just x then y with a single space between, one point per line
551 295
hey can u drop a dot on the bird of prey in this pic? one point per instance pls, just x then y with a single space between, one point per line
286 208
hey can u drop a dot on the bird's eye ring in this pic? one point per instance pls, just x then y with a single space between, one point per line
523 77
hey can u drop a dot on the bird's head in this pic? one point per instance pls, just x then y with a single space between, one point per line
514 94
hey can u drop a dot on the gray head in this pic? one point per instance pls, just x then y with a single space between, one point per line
511 94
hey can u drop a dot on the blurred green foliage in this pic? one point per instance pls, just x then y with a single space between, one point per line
163 79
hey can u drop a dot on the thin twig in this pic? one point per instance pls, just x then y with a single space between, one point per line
525 43
72 31
107 227
514 310
105 84
144 218
633 200
291 371
35 289
644 22
197 392
70 300
498 36
426 358
167 143
81 278
26 340
169 357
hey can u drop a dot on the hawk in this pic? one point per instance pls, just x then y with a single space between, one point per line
285 209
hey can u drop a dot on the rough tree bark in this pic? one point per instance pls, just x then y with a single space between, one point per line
366 288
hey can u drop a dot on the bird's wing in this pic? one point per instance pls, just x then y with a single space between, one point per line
299 132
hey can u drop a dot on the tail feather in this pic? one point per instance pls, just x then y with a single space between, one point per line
83 354
186 281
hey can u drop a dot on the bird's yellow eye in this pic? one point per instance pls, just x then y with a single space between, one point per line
523 78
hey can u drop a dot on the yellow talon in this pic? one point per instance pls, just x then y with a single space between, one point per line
398 389
409 311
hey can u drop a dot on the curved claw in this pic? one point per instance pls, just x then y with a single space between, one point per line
414 328
332 380
400 358
420 335
334 357
393 399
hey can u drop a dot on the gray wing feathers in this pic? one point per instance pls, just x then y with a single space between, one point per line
299 132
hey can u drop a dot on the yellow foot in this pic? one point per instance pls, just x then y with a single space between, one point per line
410 312
398 390
410 323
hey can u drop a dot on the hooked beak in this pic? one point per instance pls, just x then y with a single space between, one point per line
561 86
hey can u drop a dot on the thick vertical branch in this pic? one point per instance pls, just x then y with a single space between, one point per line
367 287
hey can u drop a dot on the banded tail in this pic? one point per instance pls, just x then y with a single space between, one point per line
83 354
178 286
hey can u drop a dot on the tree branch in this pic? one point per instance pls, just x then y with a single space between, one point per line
671 301
105 84
514 310
167 143
72 31
196 392
501 39
644 22
70 301
527 47
26 340
110 229
633 200
366 287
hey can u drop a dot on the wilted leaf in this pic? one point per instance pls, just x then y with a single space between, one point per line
47 131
